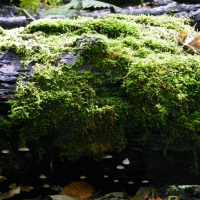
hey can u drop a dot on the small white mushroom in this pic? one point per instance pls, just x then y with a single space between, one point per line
46 185
145 181
120 167
55 187
126 161
12 185
30 187
42 176
82 177
25 189
130 182
5 151
105 176
22 189
23 149
116 181
107 156
2 178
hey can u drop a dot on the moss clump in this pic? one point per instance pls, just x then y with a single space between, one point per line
112 28
167 86
129 75
1 31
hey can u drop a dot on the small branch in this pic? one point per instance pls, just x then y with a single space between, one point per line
27 15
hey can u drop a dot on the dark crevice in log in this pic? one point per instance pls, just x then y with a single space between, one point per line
10 69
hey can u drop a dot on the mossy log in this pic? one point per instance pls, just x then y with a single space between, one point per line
99 84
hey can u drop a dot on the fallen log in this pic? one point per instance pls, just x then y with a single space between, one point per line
162 2
173 7
9 20
13 22
188 1
170 8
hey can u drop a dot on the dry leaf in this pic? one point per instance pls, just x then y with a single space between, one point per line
196 43
191 43
182 36
158 198
10 193
78 189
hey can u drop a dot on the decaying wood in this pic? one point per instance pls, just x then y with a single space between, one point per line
170 8
13 22
8 20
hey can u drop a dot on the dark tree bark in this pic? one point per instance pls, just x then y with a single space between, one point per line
126 2
170 8
13 22
10 69
189 1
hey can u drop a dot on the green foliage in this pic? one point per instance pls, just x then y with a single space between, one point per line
57 7
128 81
64 9
32 5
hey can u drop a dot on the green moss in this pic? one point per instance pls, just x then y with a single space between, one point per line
112 28
1 31
130 75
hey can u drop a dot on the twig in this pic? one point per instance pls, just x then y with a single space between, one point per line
27 15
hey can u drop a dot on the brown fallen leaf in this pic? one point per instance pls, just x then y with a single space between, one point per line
195 43
10 193
191 43
182 36
158 198
78 189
